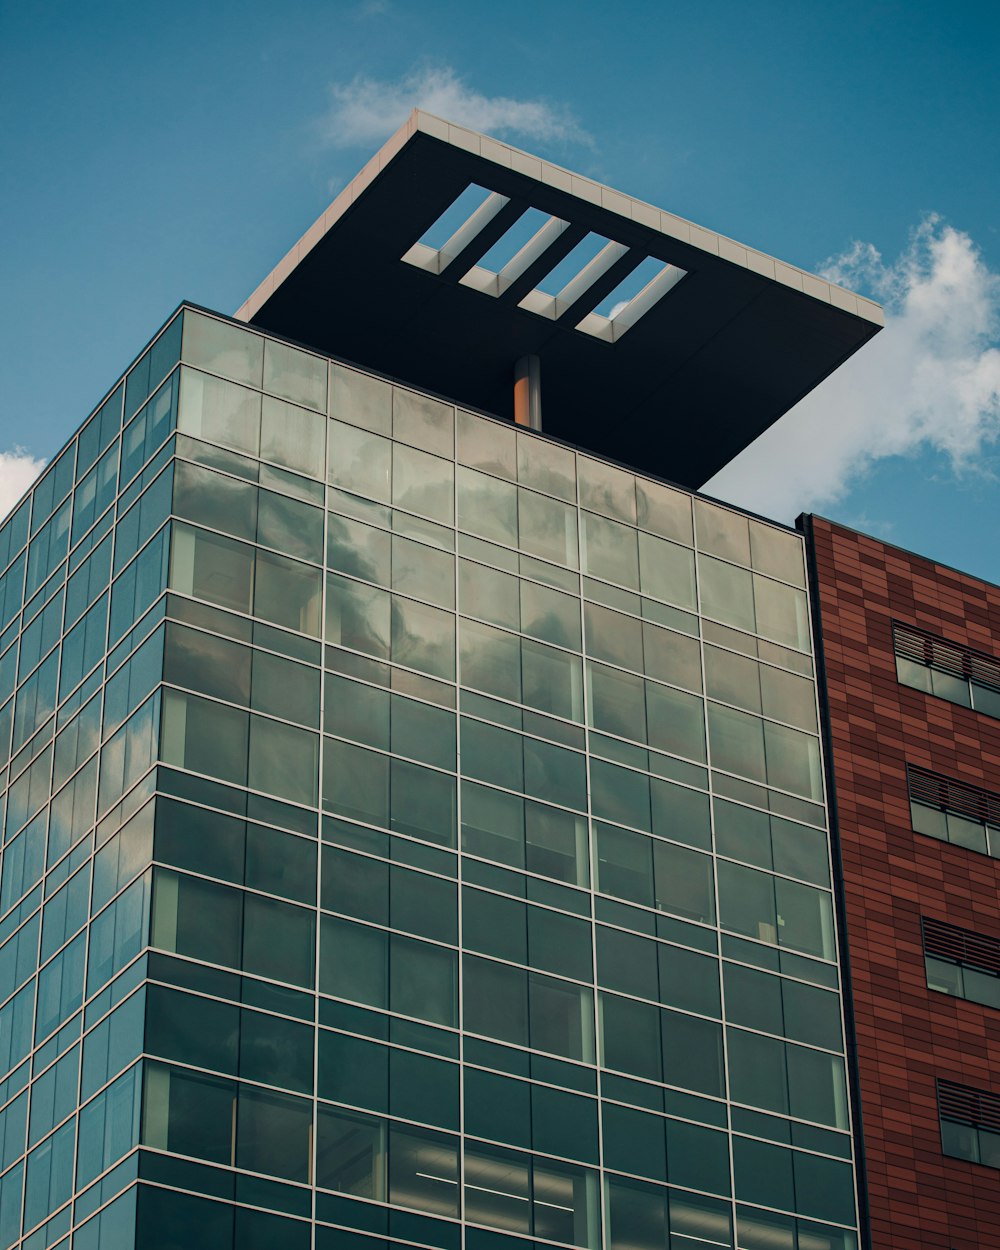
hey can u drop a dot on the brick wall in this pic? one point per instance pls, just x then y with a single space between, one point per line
907 1035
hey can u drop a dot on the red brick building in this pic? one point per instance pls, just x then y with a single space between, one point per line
912 658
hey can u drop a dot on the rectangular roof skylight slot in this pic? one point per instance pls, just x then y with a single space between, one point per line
571 265
481 278
617 299
577 273
499 247
455 215
457 226
509 244
623 313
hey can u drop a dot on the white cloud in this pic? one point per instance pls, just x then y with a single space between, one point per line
929 381
18 470
365 111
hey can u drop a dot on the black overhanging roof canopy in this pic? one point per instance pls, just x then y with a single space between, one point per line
712 352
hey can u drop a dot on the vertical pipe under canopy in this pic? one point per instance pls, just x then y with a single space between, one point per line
528 392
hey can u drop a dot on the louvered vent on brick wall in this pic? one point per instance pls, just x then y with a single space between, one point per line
948 941
949 657
953 796
969 1106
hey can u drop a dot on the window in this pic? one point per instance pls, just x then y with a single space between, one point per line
970 1123
949 670
954 812
961 963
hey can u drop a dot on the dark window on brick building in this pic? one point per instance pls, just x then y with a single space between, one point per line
947 669
961 963
954 812
970 1123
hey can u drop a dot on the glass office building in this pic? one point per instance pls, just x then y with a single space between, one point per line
410 821
414 835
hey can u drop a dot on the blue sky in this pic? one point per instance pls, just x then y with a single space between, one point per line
156 153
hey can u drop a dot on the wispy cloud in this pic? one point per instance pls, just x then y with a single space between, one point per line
929 380
18 470
365 111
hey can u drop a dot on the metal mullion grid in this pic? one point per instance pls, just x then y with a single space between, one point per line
320 764
394 667
87 535
685 1011
656 837
102 667
43 899
74 776
124 487
28 494
88 545
640 593
251 331
351 577
140 1058
201 805
233 885
86 927
236 707
20 986
256 484
771 720
147 1056
246 542
524 734
386 753
101 1177
27 625
724 1024
185 456
251 620
29 752
528 873
603 1215
487 889
230 785
34 1046
19 751
720 1197
712 793
770 789
23 580
92 597
461 882
825 803
37 595
104 660
704 697
137 502
519 633
232 1203
459 875
113 643
150 627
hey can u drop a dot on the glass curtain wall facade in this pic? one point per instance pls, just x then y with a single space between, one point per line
414 834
